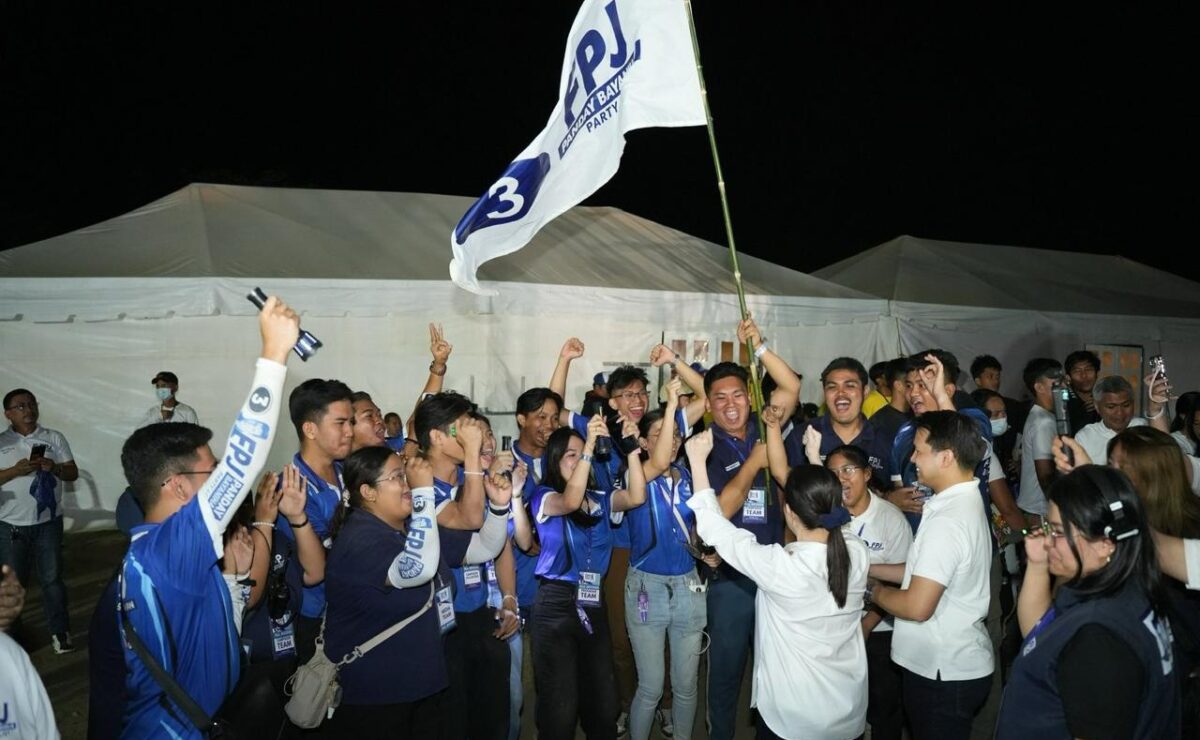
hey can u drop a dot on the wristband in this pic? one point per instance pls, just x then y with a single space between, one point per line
435 372
585 457
761 350
472 472
264 524
301 525
510 596
497 511
1161 411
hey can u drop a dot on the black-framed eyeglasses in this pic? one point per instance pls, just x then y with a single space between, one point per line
633 395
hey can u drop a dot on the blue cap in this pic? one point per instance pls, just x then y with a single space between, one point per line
600 378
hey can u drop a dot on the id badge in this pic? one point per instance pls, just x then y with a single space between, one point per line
472 578
491 573
589 589
754 511
283 639
445 607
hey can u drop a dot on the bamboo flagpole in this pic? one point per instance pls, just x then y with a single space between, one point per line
756 396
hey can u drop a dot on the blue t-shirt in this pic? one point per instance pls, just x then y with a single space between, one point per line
178 603
656 534
320 506
526 564
575 542
728 455
469 593
607 472
409 665
869 440
902 451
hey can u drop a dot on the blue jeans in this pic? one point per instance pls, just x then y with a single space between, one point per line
942 709
516 691
21 547
731 624
676 610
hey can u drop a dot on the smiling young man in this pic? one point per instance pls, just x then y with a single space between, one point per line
843 382
1082 368
175 606
940 640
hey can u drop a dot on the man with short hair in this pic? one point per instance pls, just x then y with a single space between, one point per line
321 412
367 422
1112 397
168 408
844 381
34 463
1037 438
175 608
1082 368
986 372
888 420
877 397
940 606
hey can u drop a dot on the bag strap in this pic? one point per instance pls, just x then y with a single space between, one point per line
165 680
378 639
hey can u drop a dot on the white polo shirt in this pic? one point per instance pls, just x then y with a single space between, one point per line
952 547
886 533
17 504
1037 442
26 713
182 413
1094 439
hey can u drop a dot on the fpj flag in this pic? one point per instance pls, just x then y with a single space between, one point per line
629 64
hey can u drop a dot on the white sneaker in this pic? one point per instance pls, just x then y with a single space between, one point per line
665 725
62 643
623 725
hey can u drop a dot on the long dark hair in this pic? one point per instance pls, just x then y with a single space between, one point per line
1085 499
1186 408
552 476
811 492
362 467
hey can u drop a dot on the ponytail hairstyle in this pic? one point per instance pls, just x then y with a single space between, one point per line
814 494
363 467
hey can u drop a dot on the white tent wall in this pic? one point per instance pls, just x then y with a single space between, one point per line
92 375
1015 337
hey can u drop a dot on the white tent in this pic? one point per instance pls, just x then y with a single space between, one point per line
87 318
1018 303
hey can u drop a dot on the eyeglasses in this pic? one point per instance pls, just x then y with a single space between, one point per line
397 475
1047 529
187 472
28 405
632 395
847 470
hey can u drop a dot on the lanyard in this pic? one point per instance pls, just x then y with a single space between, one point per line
313 478
1042 624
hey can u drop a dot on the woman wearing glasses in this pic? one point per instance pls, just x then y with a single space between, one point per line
1097 660
882 526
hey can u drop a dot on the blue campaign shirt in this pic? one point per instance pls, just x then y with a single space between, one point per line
879 452
656 534
902 450
465 599
409 665
526 564
726 459
178 603
323 500
573 542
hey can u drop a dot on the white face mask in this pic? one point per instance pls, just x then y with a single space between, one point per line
162 393
999 426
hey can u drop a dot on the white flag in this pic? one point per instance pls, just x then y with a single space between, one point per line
629 64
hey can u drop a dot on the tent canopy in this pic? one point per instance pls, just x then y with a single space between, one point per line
916 270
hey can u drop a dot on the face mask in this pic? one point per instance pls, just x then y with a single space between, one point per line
162 393
999 426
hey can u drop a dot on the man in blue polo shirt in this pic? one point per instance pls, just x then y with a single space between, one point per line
323 416
843 381
737 454
173 597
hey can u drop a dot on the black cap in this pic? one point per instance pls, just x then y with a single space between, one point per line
166 376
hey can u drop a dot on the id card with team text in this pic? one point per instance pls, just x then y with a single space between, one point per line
754 511
589 589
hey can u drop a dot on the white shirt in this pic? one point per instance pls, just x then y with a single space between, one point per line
183 412
952 547
1191 554
25 711
810 661
1189 457
886 533
17 504
1036 444
1094 439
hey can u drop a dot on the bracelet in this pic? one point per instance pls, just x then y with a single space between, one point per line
496 511
301 525
263 524
472 472
761 350
435 372
586 457
1161 411
510 596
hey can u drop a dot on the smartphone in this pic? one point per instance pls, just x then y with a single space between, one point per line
505 443
38 452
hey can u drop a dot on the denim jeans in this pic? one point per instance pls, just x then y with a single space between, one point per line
572 667
675 610
516 690
23 547
731 625
942 710
479 667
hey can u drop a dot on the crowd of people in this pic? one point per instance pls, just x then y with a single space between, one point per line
892 560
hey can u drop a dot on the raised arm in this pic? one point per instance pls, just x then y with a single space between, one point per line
418 562
1158 393
254 429
777 461
466 511
635 495
572 349
787 382
1035 597
293 495
664 355
489 540
660 456
934 377
733 496
522 527
440 350
572 498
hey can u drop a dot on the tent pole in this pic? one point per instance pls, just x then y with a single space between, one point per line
756 396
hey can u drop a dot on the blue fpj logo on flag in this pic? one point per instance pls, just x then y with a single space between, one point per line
509 199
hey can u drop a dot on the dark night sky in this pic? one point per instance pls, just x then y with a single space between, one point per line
841 125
